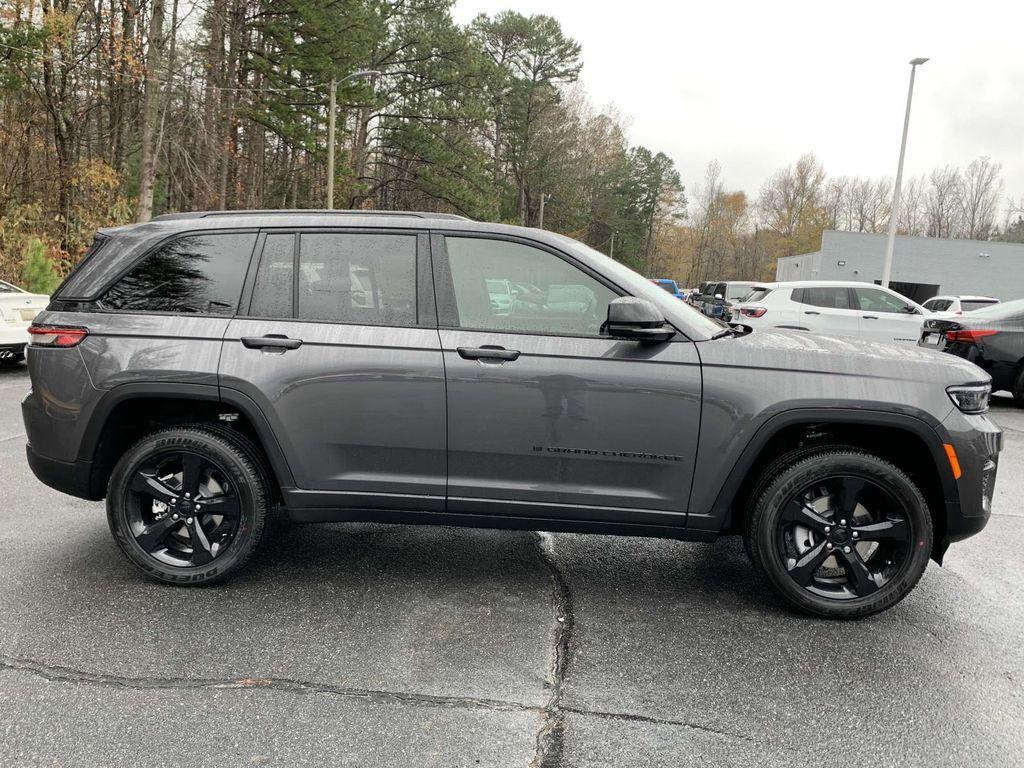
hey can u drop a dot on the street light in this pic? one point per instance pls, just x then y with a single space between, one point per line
330 128
891 242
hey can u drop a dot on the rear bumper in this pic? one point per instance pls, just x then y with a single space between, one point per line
10 350
70 477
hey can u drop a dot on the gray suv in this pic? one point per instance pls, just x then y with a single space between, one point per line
206 371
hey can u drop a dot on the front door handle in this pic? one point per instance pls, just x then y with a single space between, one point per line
275 340
488 353
810 312
870 317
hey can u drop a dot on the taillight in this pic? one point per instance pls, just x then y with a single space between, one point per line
969 335
55 336
752 311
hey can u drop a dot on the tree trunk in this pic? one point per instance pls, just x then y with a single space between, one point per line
150 111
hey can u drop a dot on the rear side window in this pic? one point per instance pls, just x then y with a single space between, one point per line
938 305
198 274
757 294
828 297
363 279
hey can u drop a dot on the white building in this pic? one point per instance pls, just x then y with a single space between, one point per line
922 266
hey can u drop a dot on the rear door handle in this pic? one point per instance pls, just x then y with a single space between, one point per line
275 340
809 312
488 353
870 317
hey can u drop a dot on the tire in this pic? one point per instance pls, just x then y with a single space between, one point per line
823 564
1018 388
170 533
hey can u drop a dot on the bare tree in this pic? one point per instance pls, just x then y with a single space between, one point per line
911 217
150 111
979 192
792 195
942 202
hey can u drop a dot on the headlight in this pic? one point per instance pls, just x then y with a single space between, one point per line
970 398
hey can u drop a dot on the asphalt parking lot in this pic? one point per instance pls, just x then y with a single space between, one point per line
372 645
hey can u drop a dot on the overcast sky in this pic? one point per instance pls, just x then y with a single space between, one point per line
757 84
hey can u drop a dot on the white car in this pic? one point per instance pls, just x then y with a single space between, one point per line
18 309
835 308
957 305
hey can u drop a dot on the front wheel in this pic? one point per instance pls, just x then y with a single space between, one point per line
841 534
187 505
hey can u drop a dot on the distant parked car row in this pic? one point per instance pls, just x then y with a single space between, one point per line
18 308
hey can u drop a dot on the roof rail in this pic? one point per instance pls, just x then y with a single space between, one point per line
306 212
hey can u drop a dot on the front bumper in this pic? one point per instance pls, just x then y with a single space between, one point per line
977 442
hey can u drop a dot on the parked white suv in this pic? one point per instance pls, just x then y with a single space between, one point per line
957 305
18 309
835 308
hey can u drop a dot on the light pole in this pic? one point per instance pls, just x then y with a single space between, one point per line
893 215
330 129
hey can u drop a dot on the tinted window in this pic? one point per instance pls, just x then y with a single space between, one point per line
971 306
938 305
757 294
7 288
548 295
364 279
830 297
272 293
875 300
199 274
670 287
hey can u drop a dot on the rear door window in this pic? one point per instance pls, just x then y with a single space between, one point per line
757 294
829 297
197 274
273 293
358 278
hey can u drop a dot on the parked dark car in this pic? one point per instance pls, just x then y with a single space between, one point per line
991 338
205 371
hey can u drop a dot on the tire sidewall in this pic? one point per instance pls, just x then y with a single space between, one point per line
251 497
772 503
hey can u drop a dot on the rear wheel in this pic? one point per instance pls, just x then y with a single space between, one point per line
841 534
187 505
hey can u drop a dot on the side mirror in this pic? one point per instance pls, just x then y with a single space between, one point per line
636 320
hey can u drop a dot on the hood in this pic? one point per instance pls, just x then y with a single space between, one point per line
793 350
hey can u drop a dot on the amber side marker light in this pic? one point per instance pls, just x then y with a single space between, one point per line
954 462
53 336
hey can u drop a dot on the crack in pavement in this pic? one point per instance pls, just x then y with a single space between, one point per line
630 718
67 675
548 751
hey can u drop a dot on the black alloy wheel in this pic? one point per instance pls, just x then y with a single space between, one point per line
188 505
843 537
182 509
839 532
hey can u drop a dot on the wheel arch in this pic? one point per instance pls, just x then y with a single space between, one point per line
128 411
915 444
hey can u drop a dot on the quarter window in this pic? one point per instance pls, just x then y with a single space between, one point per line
364 279
198 274
506 286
